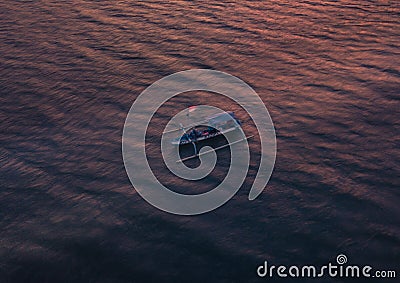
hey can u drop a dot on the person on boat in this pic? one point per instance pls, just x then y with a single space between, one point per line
194 134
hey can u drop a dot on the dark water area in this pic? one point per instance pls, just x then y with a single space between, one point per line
328 71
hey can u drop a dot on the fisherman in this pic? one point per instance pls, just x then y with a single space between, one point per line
193 134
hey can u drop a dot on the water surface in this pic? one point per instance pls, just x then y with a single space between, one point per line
69 71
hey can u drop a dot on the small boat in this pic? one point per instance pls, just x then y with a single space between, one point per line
218 125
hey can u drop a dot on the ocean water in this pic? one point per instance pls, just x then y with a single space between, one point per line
328 72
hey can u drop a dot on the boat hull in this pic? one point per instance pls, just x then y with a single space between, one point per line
202 138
